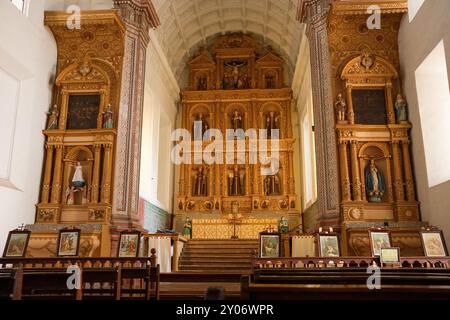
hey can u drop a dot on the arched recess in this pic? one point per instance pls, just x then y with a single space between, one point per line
369 71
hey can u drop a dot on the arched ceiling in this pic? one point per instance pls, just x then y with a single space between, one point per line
188 24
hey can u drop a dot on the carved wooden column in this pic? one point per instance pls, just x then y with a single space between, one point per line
398 176
47 174
106 180
356 178
57 175
390 104
315 14
350 110
409 180
346 196
96 174
138 17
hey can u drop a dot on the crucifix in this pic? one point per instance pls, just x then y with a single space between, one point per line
21 227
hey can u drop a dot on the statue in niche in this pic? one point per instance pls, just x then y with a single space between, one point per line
226 82
272 185
70 196
200 123
400 109
202 83
243 82
375 185
108 118
236 120
272 123
235 65
201 183
236 183
270 81
53 118
78 180
341 108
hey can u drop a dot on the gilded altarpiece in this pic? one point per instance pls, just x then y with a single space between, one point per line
81 134
376 177
236 85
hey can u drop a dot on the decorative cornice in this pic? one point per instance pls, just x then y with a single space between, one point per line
358 7
146 6
58 19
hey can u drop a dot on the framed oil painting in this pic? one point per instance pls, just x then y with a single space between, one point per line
390 255
328 245
68 242
379 240
129 244
433 244
83 111
269 245
17 243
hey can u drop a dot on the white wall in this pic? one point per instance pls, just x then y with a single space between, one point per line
417 39
302 88
160 110
27 60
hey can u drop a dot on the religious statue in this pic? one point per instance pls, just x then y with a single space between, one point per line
272 123
235 73
341 108
236 120
236 182
272 185
375 186
202 84
201 183
270 81
78 180
53 118
283 226
200 123
70 196
108 118
226 82
187 228
400 109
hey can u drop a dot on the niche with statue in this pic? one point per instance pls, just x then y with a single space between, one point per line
78 167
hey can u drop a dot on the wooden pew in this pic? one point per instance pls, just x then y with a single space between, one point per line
101 283
342 284
43 284
6 283
140 283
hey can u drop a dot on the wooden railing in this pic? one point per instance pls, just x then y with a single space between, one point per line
64 262
345 262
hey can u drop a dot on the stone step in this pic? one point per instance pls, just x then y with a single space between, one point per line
214 268
248 251
225 246
213 260
244 264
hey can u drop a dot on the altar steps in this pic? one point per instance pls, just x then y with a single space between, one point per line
218 256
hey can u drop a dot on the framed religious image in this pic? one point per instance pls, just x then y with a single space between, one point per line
16 244
433 244
83 111
390 256
269 245
68 242
328 245
379 240
129 244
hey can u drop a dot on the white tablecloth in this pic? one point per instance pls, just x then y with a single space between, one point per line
163 249
303 246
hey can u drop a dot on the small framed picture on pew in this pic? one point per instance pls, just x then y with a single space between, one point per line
390 257
129 244
328 245
433 243
269 245
17 244
68 242
379 239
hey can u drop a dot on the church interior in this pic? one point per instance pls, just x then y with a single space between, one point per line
228 149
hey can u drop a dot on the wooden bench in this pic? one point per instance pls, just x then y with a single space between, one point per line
43 284
305 284
6 283
142 283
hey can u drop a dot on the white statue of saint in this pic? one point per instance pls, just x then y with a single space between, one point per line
78 180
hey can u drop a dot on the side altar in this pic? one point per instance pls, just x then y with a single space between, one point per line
236 86
80 136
